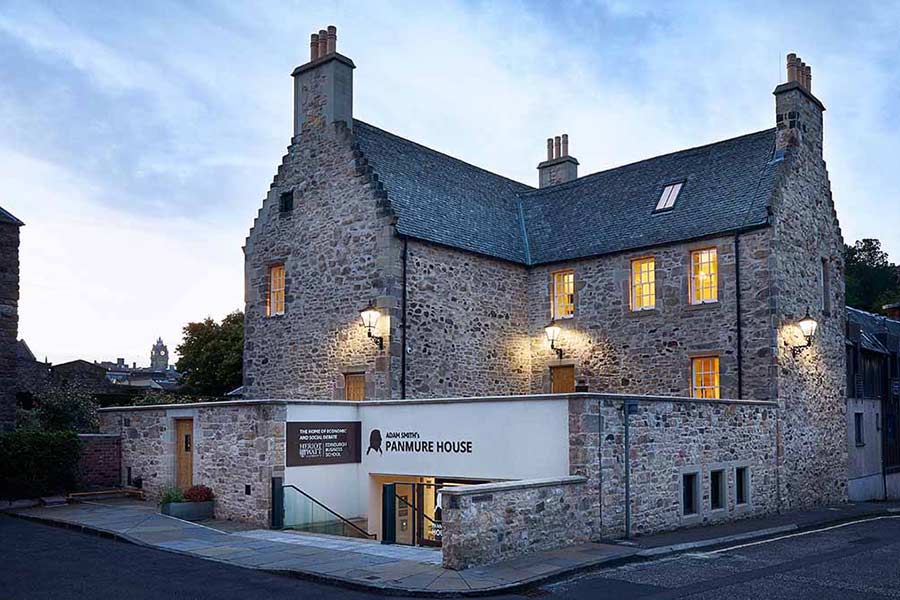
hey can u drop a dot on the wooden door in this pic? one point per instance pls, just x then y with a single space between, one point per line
562 379
184 453
355 387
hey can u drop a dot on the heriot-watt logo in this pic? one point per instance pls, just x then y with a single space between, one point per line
374 442
411 442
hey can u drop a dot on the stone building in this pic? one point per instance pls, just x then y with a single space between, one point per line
9 316
681 275
159 356
653 346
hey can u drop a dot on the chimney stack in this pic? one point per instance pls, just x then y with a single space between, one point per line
892 310
559 166
798 114
333 82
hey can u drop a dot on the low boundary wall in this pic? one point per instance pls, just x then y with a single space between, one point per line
490 522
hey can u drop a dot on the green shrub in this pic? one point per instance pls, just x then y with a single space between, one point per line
38 463
170 495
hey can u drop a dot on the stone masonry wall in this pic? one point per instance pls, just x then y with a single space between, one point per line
615 349
670 437
339 252
100 465
488 523
234 446
807 244
9 322
466 324
237 447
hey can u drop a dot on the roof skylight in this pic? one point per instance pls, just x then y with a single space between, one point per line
669 195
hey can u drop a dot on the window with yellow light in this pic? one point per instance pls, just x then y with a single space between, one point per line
643 284
275 291
705 377
563 301
704 276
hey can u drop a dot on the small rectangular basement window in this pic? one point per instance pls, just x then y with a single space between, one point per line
689 494
717 490
741 485
669 195
286 202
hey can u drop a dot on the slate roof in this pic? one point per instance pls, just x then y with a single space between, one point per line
7 217
438 198
877 333
445 200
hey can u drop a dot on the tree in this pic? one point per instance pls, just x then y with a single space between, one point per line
212 355
61 408
871 279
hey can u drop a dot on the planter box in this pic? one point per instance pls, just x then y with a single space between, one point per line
189 511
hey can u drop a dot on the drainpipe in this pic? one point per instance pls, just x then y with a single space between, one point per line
403 327
629 407
739 356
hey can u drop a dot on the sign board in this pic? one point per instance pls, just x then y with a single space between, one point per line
323 443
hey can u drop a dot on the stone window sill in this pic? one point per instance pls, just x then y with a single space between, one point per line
703 306
636 314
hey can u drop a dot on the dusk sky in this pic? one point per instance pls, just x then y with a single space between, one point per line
137 140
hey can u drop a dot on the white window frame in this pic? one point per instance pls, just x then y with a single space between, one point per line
638 285
669 196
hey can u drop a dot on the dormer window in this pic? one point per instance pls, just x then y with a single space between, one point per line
669 195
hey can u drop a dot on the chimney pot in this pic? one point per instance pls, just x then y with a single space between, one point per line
313 47
565 144
549 148
791 67
557 147
331 45
808 73
323 43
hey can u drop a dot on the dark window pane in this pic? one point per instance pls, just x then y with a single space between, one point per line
716 490
740 485
689 498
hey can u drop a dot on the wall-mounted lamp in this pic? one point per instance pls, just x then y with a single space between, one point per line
553 330
369 317
808 327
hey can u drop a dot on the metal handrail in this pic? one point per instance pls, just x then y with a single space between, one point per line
415 510
359 529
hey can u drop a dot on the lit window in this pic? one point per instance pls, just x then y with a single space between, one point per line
563 294
668 197
275 295
704 276
643 284
705 379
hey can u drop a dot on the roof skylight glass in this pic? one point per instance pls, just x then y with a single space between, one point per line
669 195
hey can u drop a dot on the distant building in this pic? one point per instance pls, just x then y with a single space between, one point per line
9 316
159 356
160 375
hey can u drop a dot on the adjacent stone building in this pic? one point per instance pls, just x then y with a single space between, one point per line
9 316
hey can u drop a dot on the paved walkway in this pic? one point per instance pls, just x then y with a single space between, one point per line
399 569
359 564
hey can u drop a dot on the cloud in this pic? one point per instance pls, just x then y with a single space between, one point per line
140 139
100 283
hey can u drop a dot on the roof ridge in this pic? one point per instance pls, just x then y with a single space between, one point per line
581 179
444 154
871 314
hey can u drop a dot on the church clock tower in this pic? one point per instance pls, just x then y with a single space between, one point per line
159 356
